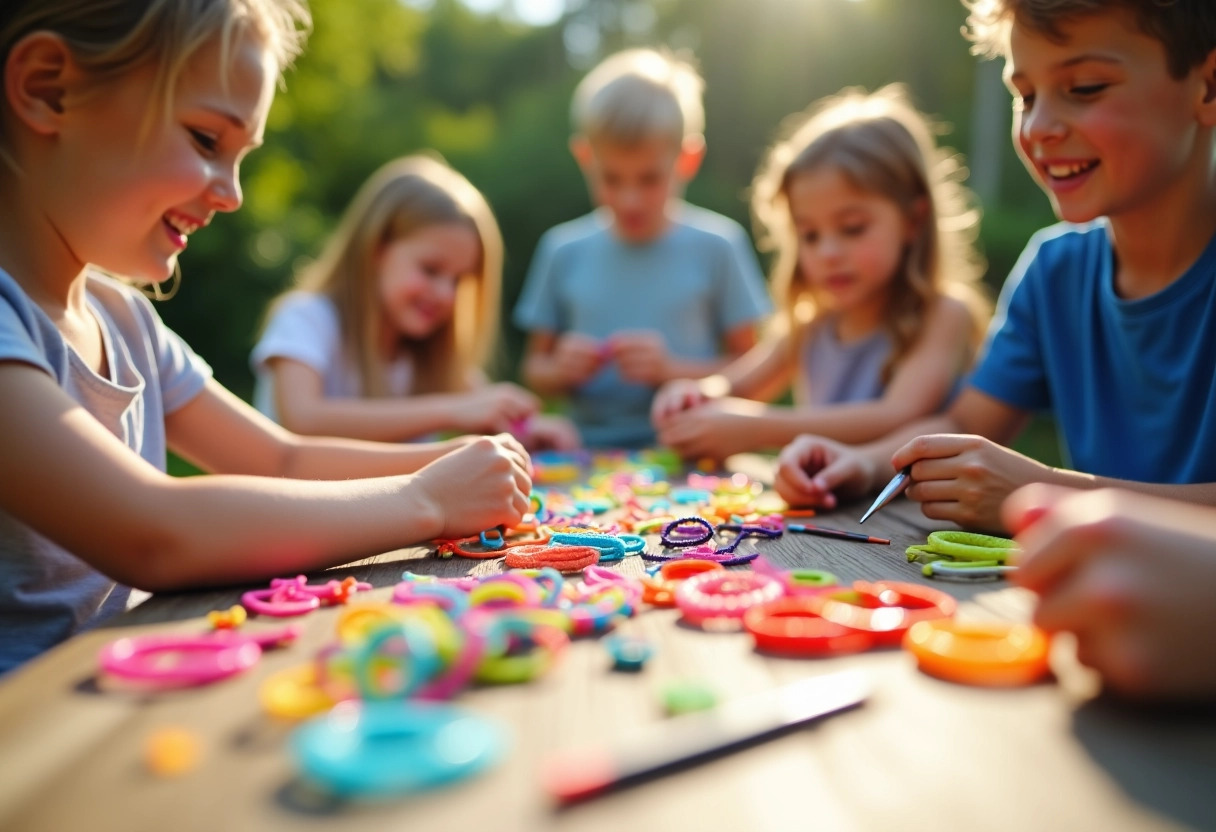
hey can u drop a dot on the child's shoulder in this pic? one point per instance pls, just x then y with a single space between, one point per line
1065 238
705 221
572 231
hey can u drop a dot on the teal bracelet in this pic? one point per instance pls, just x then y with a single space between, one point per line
609 547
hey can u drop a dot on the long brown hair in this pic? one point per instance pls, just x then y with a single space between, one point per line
401 197
882 145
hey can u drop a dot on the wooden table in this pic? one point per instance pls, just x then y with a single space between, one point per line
921 754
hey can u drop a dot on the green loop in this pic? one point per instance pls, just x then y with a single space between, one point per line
964 546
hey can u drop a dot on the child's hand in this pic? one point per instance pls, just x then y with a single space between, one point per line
1130 576
642 357
477 487
675 397
496 408
964 478
552 433
714 429
814 471
578 358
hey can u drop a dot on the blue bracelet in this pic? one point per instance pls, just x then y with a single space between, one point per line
610 548
383 749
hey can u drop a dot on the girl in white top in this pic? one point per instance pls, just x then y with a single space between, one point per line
874 278
386 334
122 128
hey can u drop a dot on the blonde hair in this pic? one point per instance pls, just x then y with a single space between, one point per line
637 95
400 198
109 38
884 146
1186 28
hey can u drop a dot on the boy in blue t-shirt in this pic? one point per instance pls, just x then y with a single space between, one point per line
648 288
1110 324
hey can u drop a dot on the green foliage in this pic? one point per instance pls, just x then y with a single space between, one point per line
381 78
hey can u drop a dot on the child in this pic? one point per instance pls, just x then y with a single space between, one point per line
1111 324
385 337
1131 576
123 125
648 289
875 277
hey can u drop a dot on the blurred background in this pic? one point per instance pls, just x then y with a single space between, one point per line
487 84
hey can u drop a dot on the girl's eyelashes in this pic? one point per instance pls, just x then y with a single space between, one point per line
1087 90
206 141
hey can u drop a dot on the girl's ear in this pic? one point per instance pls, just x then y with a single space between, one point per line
917 217
1207 104
580 149
37 75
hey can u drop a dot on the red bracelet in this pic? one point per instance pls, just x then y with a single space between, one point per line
561 558
884 608
792 627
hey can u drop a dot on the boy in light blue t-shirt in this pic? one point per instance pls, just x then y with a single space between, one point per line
648 288
1109 324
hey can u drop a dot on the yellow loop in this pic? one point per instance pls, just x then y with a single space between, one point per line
357 621
293 693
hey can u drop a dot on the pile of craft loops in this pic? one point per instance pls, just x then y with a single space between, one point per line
437 636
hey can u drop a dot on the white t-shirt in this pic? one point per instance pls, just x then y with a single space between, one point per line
305 327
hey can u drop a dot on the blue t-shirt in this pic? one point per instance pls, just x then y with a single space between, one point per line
1130 382
692 285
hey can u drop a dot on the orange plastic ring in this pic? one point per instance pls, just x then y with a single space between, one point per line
993 654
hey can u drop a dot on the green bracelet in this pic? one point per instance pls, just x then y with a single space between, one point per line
966 546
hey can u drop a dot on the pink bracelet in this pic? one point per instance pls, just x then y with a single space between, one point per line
721 598
179 661
280 601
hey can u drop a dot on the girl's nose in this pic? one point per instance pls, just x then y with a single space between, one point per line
225 189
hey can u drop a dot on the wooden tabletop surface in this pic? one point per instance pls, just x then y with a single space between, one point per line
920 754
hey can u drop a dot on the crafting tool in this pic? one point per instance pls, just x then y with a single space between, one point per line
693 738
892 490
839 534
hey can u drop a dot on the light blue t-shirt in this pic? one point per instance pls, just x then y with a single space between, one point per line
692 285
1131 383
46 593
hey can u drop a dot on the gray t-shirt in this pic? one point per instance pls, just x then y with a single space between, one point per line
305 327
834 372
692 285
46 593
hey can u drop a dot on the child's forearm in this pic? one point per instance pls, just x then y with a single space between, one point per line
1196 493
378 420
852 423
325 458
695 368
220 529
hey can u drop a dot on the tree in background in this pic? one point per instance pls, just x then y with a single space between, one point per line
382 78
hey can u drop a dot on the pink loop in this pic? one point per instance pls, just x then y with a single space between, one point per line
179 661
725 596
281 602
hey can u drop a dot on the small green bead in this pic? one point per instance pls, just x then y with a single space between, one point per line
687 697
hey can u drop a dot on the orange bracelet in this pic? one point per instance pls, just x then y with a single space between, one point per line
562 558
661 591
991 654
